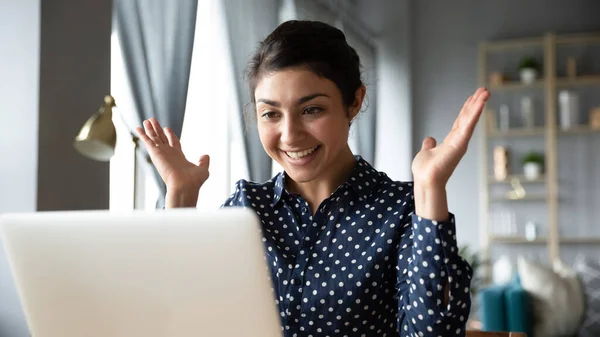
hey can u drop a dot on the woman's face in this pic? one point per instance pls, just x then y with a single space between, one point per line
302 122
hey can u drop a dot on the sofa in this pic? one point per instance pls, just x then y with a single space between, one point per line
545 300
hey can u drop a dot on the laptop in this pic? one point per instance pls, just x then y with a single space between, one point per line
171 273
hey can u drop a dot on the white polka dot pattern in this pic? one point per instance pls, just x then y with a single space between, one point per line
363 264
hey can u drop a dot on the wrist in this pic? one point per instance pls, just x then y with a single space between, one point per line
181 197
431 201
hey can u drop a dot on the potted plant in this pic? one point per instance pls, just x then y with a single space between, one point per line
474 259
477 263
533 163
528 70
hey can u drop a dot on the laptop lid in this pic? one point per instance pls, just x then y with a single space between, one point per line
167 273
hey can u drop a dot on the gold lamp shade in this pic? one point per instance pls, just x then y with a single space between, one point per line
98 137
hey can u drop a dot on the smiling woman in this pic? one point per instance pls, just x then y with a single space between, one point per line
303 125
351 252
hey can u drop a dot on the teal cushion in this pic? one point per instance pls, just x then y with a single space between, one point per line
492 308
516 281
518 309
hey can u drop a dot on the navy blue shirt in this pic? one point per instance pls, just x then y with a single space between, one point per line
364 264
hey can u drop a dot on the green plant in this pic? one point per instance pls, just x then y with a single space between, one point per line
529 62
534 157
476 263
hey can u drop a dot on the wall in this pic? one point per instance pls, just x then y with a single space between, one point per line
74 77
55 62
19 66
444 48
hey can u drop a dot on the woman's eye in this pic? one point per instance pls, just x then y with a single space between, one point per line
269 115
312 110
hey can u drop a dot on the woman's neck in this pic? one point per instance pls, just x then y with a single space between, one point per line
319 189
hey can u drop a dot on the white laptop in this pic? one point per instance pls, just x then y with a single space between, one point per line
168 273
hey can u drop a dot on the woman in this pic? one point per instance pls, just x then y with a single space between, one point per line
352 253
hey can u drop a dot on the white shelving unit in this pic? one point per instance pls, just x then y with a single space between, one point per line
549 132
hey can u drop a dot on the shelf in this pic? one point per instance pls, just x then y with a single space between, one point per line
578 38
582 241
577 81
506 239
517 240
514 44
518 132
540 131
526 198
521 177
578 130
516 85
544 195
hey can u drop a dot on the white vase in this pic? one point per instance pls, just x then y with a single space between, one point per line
532 171
502 272
568 109
527 112
528 75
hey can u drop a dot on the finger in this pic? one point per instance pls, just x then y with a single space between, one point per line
478 103
478 93
149 143
464 125
467 104
475 97
173 140
428 143
204 161
151 133
159 131
475 112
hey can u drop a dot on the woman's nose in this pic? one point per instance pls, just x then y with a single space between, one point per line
292 131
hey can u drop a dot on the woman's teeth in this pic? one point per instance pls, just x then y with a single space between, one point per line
300 154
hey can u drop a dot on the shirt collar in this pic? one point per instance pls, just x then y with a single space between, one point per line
362 180
278 189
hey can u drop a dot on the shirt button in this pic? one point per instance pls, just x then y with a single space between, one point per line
304 209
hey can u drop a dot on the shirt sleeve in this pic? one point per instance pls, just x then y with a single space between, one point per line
428 264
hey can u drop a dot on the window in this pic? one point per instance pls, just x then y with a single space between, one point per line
211 124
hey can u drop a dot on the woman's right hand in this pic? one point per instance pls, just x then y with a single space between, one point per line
183 178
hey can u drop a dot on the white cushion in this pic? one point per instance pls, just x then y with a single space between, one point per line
589 274
556 298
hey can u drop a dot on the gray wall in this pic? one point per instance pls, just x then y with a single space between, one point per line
74 77
55 66
444 46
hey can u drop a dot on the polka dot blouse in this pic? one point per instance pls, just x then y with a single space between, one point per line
364 264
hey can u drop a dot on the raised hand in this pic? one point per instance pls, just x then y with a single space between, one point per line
182 177
434 164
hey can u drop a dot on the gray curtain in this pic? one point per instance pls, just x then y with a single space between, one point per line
248 22
157 38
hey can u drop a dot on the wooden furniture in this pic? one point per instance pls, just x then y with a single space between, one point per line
551 80
494 334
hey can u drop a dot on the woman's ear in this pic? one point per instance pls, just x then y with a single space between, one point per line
359 96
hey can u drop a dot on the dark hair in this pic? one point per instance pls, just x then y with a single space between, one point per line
315 45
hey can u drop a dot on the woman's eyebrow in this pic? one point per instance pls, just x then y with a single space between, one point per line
300 101
310 97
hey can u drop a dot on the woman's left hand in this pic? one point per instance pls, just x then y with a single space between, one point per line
434 164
